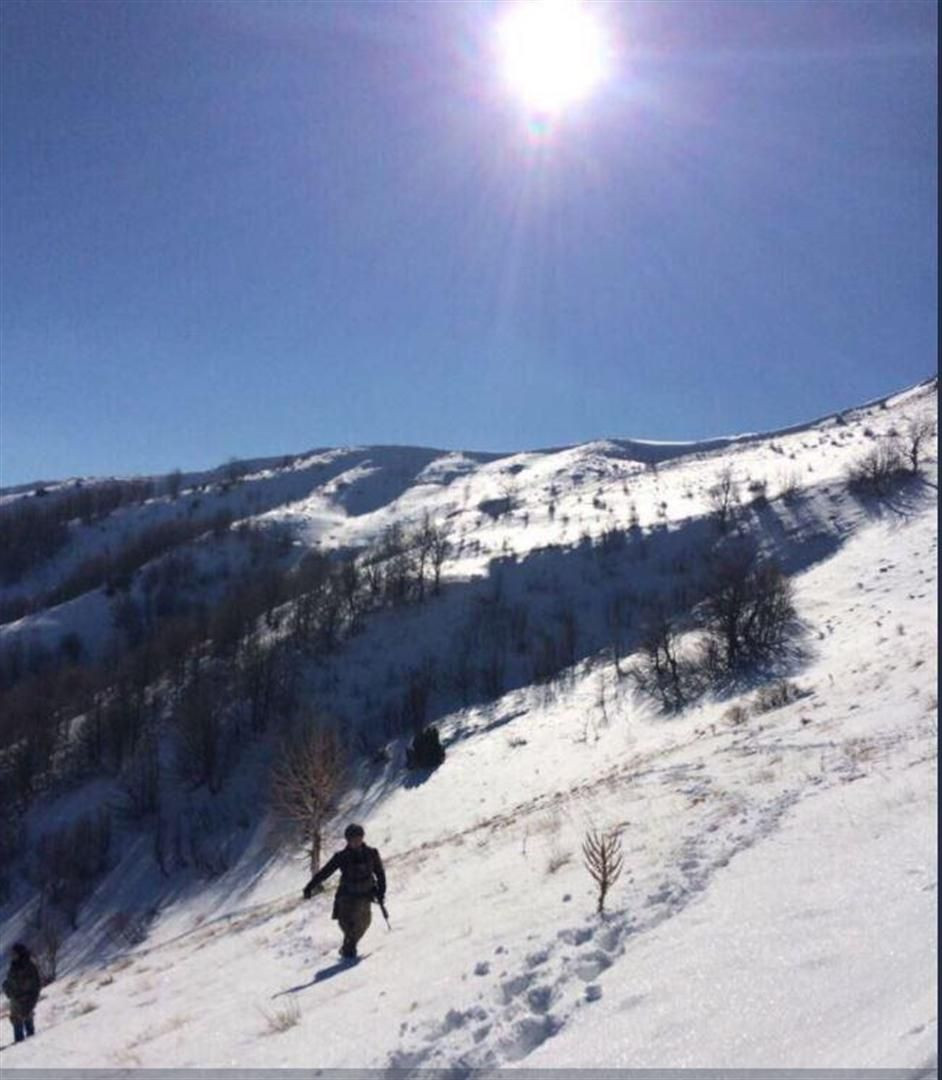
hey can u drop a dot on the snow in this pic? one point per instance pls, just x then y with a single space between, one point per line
779 899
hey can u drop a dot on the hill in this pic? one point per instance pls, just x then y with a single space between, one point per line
562 617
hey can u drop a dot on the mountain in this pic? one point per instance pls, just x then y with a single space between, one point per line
562 617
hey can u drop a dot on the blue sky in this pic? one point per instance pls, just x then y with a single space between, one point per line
239 229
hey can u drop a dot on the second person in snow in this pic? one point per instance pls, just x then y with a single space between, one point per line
362 880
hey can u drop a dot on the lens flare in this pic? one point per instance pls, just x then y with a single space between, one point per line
553 53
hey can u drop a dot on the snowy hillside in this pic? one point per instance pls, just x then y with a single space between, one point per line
778 902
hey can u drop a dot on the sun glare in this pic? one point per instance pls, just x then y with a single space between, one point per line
553 53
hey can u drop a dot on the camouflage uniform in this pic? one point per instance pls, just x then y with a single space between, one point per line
21 986
362 880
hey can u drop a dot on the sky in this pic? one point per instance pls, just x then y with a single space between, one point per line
242 229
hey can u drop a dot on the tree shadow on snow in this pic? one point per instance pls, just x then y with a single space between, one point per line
907 497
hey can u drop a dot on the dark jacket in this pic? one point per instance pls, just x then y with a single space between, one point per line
361 873
21 985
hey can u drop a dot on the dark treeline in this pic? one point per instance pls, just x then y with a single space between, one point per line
114 571
34 528
168 638
189 683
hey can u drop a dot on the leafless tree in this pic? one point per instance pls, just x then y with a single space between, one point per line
440 550
510 491
748 609
351 582
50 935
918 430
305 782
566 616
173 482
660 671
724 497
789 485
139 784
603 859
415 703
875 472
199 721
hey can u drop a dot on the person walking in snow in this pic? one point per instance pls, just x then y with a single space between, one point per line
362 880
21 986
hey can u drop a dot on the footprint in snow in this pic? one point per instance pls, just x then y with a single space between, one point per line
527 1036
540 998
576 937
512 988
590 967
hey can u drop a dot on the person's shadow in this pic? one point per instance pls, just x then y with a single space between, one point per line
320 976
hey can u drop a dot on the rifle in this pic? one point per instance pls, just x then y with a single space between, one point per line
382 908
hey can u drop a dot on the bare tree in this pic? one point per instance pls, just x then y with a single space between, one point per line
199 721
440 550
350 580
876 471
509 490
306 780
139 783
918 430
660 671
603 859
50 935
173 483
748 609
724 497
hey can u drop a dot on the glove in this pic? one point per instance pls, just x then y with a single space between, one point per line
380 897
307 892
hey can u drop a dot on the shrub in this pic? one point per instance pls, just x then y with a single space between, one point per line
282 1019
426 751
877 470
128 929
603 859
789 486
723 497
736 715
776 695
660 671
758 489
69 861
747 610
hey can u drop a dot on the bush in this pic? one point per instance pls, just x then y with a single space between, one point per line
660 670
69 861
723 497
776 695
789 486
736 715
747 610
426 751
877 471
758 489
127 930
282 1019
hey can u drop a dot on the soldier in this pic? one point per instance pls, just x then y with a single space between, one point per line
362 880
21 986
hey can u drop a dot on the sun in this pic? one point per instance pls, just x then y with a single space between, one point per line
553 53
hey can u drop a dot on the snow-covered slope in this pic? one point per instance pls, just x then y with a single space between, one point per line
778 901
